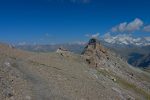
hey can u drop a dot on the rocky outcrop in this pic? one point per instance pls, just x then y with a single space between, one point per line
63 52
94 53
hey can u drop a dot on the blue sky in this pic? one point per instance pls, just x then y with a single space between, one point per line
62 21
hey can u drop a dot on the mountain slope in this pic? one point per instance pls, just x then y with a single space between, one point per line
109 64
53 76
136 56
139 60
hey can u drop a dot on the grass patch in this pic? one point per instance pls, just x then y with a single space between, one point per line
104 72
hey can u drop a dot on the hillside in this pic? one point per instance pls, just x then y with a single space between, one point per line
136 56
67 76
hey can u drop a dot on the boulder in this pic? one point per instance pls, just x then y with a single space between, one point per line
63 52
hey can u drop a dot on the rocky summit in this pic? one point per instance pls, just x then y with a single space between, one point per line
94 53
97 74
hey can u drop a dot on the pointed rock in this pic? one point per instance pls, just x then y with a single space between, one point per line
94 53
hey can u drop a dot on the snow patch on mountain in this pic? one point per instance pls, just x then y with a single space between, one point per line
126 39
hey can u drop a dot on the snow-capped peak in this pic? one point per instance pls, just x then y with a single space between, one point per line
126 39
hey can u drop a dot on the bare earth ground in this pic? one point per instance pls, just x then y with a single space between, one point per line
51 76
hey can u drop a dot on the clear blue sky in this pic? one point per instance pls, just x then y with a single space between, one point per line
59 21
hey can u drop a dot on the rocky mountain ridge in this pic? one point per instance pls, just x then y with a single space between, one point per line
126 39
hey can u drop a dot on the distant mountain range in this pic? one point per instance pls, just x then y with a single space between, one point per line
136 51
76 48
127 39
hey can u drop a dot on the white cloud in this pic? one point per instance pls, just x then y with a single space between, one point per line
121 33
146 28
95 35
107 35
120 28
135 25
